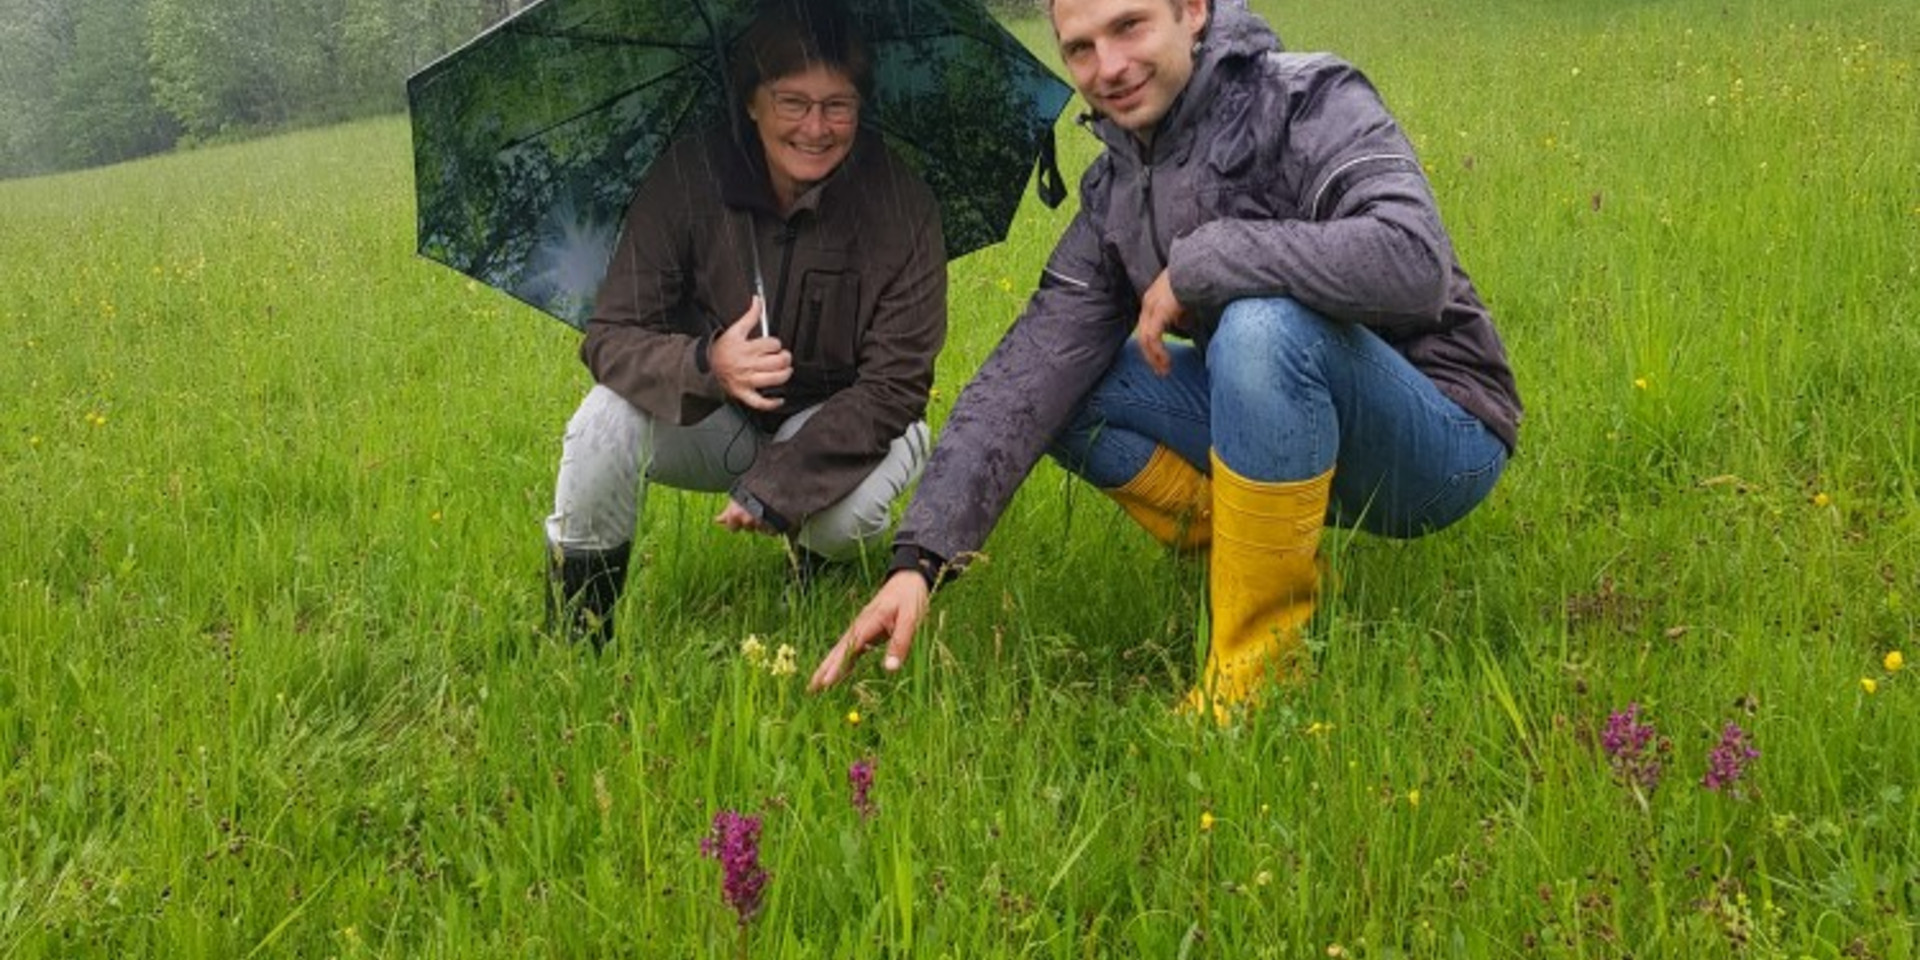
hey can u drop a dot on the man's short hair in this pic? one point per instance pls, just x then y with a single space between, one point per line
1179 12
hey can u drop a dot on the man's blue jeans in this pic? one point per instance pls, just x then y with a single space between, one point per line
1282 394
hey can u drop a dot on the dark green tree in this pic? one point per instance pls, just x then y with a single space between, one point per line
36 41
84 82
104 107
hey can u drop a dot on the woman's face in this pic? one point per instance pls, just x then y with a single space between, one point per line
807 121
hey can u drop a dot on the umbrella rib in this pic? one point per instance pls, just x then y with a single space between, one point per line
606 39
999 40
602 104
995 40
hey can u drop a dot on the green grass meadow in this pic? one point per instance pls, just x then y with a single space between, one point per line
274 680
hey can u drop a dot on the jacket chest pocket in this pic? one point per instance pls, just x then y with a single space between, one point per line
829 326
1240 197
1238 202
1233 180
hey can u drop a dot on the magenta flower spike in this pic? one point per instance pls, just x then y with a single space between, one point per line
1625 735
1727 762
860 778
1626 740
735 841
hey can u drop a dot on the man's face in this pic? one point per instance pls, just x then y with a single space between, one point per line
1129 58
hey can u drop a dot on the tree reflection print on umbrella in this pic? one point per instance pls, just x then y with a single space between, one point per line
530 140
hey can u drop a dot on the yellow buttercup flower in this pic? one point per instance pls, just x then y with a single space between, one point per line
1893 661
1639 383
1869 686
1821 499
1413 797
1206 821
853 718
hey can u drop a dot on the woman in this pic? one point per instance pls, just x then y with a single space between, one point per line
767 327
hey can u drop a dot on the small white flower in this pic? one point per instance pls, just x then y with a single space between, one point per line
754 651
785 662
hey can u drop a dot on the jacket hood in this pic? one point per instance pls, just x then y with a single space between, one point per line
1234 33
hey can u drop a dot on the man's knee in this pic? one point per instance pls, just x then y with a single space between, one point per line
1266 326
1261 343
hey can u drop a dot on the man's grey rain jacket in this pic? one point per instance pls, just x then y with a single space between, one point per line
1273 174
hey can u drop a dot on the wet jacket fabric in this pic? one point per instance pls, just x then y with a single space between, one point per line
855 283
1273 174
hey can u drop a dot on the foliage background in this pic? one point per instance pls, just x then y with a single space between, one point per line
91 82
88 82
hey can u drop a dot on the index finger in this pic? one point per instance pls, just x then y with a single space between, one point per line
905 625
838 661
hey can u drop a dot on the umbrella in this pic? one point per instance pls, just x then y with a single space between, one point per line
530 140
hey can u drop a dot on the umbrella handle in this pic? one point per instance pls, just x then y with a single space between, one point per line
1046 180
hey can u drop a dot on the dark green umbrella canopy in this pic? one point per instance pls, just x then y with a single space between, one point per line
530 140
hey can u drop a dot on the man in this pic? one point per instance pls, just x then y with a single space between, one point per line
1342 367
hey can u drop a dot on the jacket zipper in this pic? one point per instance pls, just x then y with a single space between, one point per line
787 233
1146 197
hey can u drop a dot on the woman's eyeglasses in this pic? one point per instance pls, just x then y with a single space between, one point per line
794 106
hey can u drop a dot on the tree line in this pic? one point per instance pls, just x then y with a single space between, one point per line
89 82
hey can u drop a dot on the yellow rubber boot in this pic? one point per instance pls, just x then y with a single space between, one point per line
1264 579
1171 499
